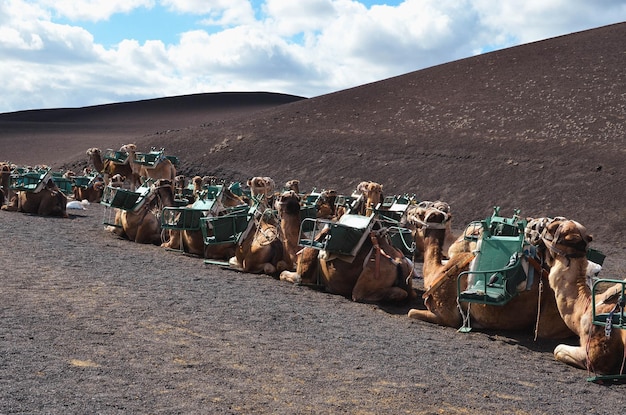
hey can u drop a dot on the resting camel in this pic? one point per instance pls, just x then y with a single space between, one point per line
262 186
440 296
193 240
293 185
414 220
5 175
163 169
288 207
92 192
377 273
370 195
600 350
260 249
108 168
49 201
144 225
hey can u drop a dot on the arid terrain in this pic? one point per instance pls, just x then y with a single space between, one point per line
96 324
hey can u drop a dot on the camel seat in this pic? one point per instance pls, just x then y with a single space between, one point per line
226 228
63 183
84 181
496 271
345 236
307 211
117 157
187 218
120 198
29 181
617 317
150 159
402 239
393 208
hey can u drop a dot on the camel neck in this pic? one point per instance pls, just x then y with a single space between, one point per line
573 296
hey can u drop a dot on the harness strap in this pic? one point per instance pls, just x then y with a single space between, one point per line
448 273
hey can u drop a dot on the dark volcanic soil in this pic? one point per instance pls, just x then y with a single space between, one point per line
96 324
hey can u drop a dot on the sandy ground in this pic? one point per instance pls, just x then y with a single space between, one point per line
96 324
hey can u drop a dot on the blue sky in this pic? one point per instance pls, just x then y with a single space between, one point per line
74 53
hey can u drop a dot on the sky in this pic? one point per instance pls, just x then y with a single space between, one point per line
76 53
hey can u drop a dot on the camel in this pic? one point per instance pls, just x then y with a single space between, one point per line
144 224
92 191
370 195
378 272
192 240
262 187
5 175
163 168
260 249
292 185
288 207
109 168
526 311
49 201
601 349
414 220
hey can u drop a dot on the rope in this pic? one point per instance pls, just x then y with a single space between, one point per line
538 307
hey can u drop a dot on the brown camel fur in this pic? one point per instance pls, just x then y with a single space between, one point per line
377 273
261 249
144 225
415 220
5 175
107 167
567 243
91 193
288 207
293 185
440 297
49 201
371 194
164 169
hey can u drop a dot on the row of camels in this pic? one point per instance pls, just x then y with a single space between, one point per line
557 305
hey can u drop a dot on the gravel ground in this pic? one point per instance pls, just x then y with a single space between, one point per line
96 324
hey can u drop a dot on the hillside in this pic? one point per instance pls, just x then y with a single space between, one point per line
538 127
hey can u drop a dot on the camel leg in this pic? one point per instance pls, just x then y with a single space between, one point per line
292 277
571 355
436 318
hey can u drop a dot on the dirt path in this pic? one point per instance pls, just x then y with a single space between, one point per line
95 324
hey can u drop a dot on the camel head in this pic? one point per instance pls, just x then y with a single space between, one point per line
293 185
566 238
288 203
93 152
197 183
128 148
261 186
117 180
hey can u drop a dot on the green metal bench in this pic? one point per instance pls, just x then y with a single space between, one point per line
117 197
149 159
226 228
345 236
402 239
117 157
63 183
615 319
187 218
393 208
496 271
29 181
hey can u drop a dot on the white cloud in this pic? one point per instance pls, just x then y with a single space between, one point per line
93 10
217 12
304 47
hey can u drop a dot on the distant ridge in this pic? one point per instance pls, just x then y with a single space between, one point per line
181 103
